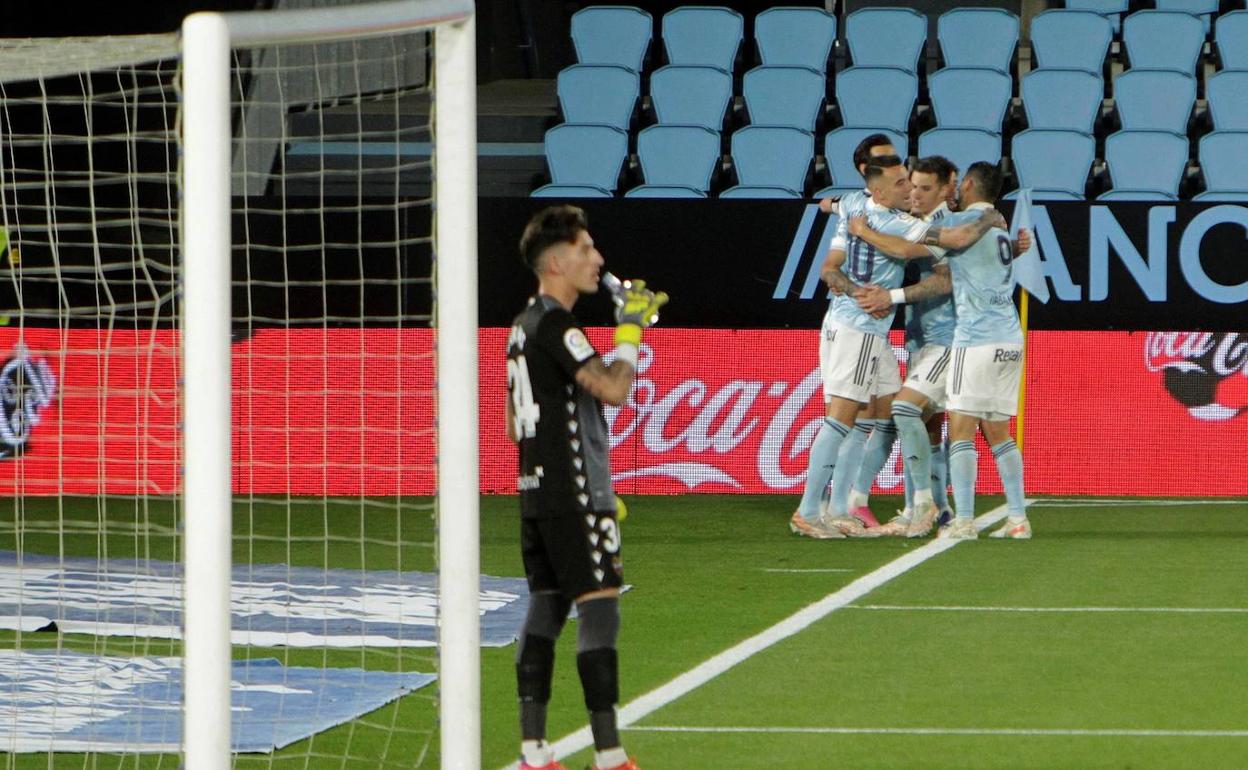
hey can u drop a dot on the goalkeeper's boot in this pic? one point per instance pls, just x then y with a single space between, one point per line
1015 528
897 526
863 513
798 525
631 764
962 528
923 520
847 526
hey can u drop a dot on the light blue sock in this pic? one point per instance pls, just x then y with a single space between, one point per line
909 486
940 476
1010 466
847 464
875 454
914 445
963 465
822 462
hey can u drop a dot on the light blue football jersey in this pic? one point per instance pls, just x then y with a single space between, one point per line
865 265
983 286
931 321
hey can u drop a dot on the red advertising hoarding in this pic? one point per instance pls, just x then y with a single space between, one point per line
349 411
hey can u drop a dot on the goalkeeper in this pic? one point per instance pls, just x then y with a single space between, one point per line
569 535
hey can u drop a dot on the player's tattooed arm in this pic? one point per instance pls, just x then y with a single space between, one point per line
962 236
832 274
609 384
938 284
892 245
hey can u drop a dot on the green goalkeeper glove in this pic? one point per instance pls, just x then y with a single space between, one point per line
639 310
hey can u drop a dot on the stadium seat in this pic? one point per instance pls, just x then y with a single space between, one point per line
1110 9
1227 92
570 191
586 155
962 146
1055 164
1163 40
664 191
784 96
607 34
1224 162
886 37
978 37
1071 40
1230 38
760 191
965 97
1145 162
838 151
1067 100
1154 100
684 156
877 96
1222 196
771 157
691 95
1201 9
598 93
795 37
704 35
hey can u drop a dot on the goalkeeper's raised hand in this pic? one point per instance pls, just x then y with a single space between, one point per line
639 310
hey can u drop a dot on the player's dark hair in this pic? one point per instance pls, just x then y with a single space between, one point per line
987 179
556 224
862 153
939 165
878 165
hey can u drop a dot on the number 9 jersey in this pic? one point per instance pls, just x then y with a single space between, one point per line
564 446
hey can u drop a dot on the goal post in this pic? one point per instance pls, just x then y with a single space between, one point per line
208 40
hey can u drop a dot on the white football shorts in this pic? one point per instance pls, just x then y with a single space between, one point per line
929 374
983 381
851 363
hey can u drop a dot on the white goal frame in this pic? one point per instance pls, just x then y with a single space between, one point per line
207 40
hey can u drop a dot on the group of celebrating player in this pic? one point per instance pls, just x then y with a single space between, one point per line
963 338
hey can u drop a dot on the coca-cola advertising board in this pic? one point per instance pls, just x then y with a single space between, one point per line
349 411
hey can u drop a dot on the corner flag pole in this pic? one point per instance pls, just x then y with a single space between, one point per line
1029 275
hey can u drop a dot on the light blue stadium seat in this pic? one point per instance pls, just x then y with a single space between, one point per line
570 191
886 37
795 37
1110 9
784 96
1230 37
1071 40
965 97
771 156
978 37
1222 196
1201 9
1054 164
962 146
1154 100
760 191
1163 40
705 35
877 96
664 191
691 95
1227 92
838 151
612 34
598 93
586 155
1145 162
1224 161
685 156
1067 100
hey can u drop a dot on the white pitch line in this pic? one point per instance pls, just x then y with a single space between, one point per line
1074 502
989 731
804 571
953 608
704 672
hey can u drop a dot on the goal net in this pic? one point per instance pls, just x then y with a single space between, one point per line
232 320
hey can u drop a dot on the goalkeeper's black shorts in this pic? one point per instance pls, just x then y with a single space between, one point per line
572 554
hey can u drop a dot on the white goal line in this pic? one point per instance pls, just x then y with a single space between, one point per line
984 731
955 608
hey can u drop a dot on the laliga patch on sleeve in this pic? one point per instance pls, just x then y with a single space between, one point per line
574 340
